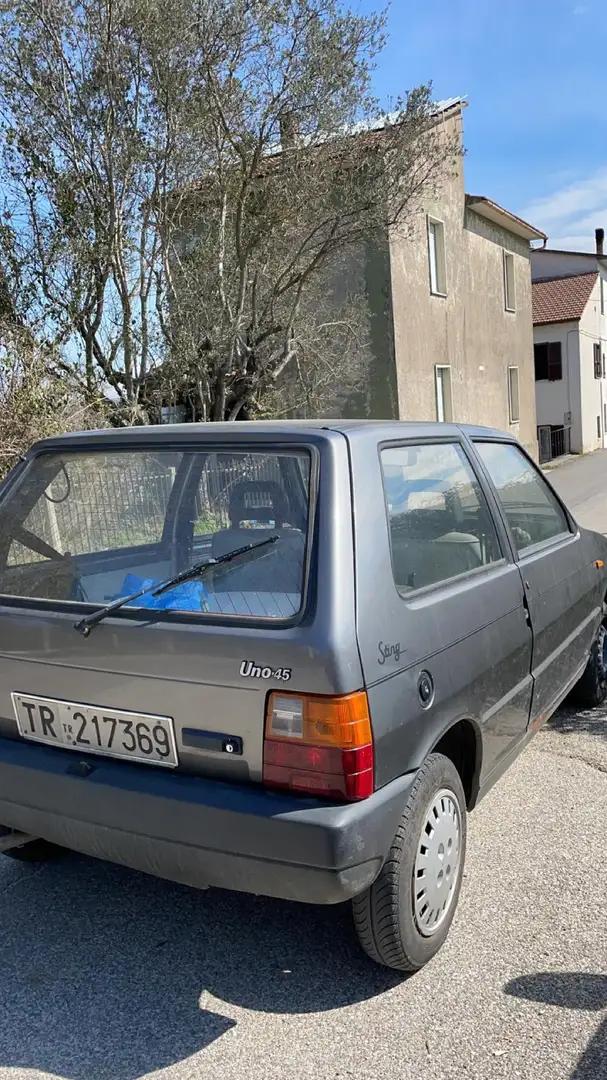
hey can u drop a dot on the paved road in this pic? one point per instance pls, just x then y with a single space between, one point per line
582 483
107 974
110 975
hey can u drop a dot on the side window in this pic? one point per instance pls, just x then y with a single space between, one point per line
513 396
444 397
440 524
436 257
509 282
598 365
548 359
533 511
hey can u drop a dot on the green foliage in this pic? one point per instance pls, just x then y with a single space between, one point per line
188 186
35 402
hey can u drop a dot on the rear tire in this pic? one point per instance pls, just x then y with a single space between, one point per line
35 851
404 917
591 690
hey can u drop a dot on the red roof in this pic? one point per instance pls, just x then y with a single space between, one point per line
562 299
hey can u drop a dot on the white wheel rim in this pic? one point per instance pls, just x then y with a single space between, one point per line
437 863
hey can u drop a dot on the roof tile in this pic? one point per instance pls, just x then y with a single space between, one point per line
562 299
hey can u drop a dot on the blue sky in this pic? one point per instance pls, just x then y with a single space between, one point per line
535 76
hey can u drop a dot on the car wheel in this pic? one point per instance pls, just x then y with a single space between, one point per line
34 851
404 917
591 690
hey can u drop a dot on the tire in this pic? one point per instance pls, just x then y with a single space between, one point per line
36 851
392 925
591 690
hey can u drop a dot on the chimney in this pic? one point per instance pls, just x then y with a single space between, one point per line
289 130
599 235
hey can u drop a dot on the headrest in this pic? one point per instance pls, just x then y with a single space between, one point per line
258 500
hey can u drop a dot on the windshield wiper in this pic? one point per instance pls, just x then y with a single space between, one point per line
85 625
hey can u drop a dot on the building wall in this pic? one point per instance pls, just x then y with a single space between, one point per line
503 337
556 401
588 395
365 387
578 393
364 275
593 391
468 329
546 263
427 329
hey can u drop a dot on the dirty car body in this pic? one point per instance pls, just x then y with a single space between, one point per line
262 727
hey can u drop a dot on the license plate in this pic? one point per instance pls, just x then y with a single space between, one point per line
95 730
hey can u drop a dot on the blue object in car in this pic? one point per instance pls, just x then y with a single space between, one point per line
190 596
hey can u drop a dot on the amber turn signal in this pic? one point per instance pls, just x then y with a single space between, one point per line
320 746
322 721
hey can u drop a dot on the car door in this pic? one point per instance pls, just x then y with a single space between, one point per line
557 569
441 607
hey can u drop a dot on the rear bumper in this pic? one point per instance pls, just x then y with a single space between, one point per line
200 832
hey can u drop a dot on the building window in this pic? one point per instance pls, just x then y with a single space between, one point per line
444 401
513 397
548 361
598 427
598 363
509 287
436 257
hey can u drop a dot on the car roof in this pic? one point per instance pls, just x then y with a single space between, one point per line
371 430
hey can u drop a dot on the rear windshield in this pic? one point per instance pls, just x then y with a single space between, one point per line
97 526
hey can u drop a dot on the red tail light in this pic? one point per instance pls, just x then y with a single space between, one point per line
322 745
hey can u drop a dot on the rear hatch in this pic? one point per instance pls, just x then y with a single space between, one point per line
177 680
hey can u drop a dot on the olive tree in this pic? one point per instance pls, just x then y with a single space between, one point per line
191 186
36 401
91 98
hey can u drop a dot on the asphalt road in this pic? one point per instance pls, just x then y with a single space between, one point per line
106 974
582 483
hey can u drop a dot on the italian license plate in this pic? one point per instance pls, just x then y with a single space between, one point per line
95 730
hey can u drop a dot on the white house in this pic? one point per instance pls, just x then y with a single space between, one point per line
570 345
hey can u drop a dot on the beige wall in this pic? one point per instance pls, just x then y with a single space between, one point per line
468 329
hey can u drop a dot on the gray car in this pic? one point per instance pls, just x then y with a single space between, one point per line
285 658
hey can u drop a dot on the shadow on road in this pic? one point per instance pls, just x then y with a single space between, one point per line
571 720
571 990
103 972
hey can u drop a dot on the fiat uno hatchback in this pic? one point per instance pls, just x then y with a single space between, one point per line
285 658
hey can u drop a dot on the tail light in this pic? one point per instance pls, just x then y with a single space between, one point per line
320 745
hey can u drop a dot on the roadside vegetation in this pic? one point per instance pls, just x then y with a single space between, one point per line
188 192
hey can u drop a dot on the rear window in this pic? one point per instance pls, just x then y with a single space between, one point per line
94 527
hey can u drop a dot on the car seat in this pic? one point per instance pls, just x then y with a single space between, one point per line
279 570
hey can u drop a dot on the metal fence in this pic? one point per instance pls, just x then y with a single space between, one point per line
553 441
110 501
